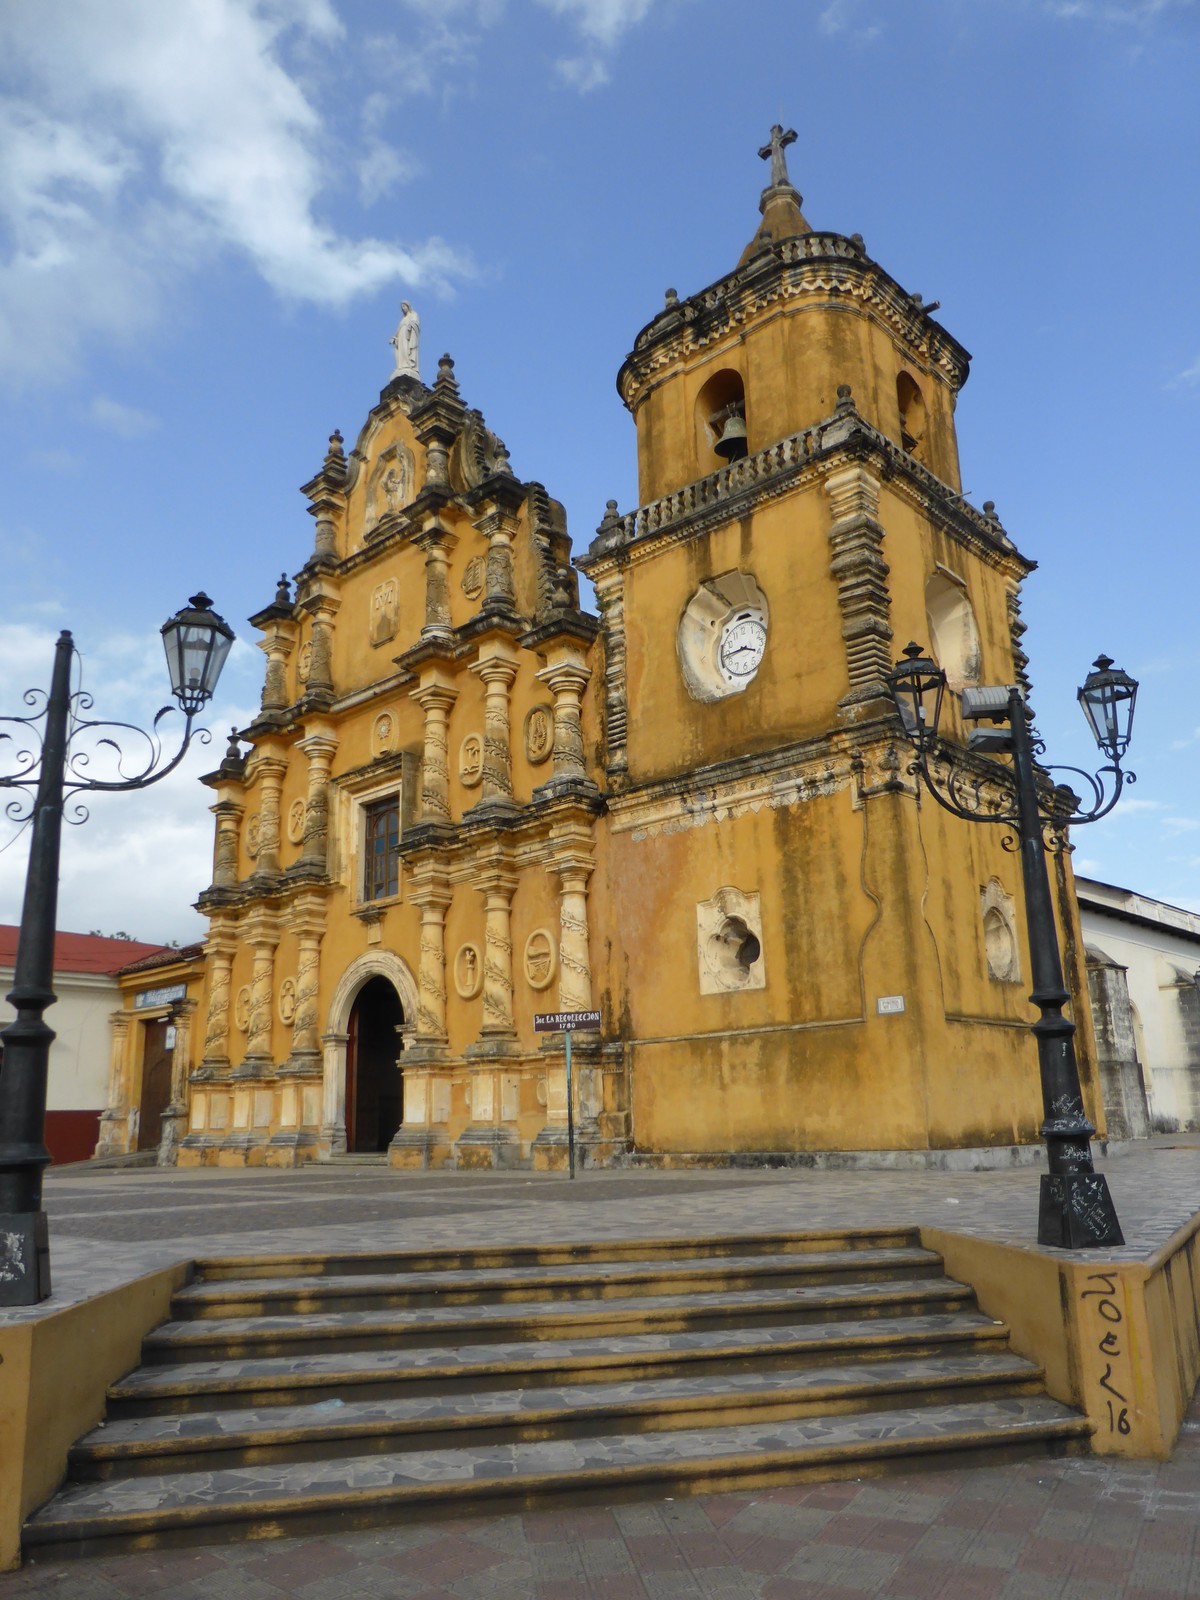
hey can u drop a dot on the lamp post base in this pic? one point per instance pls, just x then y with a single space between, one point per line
24 1258
1076 1212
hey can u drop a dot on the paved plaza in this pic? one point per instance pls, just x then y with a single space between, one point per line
1081 1529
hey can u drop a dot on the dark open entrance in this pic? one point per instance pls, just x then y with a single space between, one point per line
156 1082
374 1083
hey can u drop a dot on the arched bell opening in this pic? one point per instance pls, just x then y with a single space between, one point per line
911 404
721 420
374 1081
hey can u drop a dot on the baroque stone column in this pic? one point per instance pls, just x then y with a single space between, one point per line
566 675
497 666
222 943
175 1117
277 647
572 861
114 1137
225 844
423 1138
320 746
262 933
320 671
308 923
497 883
499 526
270 771
437 543
436 697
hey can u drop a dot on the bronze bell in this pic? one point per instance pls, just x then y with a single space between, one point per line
732 443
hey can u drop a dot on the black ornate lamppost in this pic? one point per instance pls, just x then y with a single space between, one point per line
1076 1210
51 772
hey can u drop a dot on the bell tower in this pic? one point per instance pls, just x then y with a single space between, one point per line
799 948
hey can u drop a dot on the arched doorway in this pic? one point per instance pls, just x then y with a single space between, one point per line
374 1082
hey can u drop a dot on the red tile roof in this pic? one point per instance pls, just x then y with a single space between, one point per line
82 952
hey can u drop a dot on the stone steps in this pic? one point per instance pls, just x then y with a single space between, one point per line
289 1394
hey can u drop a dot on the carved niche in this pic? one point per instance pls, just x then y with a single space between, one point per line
729 943
390 487
998 910
384 734
468 971
470 761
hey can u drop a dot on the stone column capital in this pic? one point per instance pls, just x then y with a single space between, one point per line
497 663
436 692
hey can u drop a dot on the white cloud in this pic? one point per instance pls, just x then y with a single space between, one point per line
843 16
127 422
1178 825
602 24
1134 12
151 136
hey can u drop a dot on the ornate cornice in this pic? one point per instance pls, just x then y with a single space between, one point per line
820 266
780 469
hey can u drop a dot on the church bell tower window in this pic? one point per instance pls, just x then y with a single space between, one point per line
911 404
721 421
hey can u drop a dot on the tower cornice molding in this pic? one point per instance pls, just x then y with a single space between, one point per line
784 468
816 266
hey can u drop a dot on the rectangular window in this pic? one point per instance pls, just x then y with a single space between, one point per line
381 848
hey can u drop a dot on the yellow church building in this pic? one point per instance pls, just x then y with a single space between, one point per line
467 800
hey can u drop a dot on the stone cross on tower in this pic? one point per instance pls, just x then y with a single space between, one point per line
773 152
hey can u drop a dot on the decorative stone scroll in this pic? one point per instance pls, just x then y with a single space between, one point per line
729 943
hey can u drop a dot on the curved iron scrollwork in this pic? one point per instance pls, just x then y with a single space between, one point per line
133 754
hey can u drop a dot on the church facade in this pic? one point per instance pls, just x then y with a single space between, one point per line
467 800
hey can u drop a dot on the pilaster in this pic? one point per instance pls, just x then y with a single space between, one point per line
436 696
858 566
497 666
175 1117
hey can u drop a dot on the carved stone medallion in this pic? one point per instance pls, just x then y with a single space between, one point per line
295 822
253 833
539 734
468 971
470 760
287 1002
241 1009
385 610
472 578
383 735
304 661
541 959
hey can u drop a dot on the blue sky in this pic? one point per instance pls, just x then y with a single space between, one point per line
210 210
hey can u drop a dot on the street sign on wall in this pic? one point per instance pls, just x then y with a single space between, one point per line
564 1021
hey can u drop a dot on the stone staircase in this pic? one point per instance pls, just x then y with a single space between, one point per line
292 1394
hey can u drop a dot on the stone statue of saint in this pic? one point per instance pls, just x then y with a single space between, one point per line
405 341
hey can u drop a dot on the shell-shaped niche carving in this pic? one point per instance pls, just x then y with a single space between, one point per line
391 485
729 943
1000 944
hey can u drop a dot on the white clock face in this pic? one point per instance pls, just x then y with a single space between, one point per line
743 641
